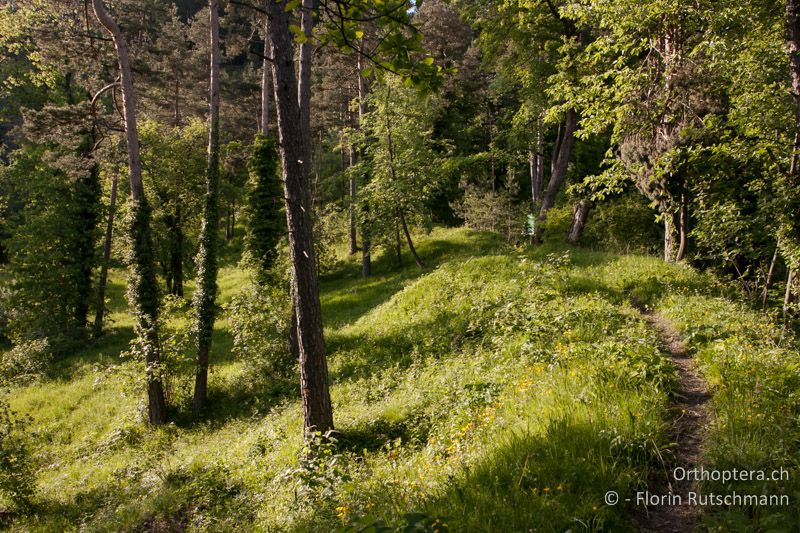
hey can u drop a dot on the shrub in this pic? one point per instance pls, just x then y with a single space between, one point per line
17 478
259 318
492 211
26 361
624 224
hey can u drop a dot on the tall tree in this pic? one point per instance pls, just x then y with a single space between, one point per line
206 293
294 150
142 288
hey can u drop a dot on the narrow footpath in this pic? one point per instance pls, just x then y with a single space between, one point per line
690 417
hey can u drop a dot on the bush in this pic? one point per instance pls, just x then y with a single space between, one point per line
492 211
557 223
25 362
624 224
259 318
17 478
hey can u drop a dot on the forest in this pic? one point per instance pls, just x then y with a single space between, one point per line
400 265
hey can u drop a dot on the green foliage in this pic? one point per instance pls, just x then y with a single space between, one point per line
492 211
173 168
266 220
402 159
625 224
25 362
52 249
752 366
259 323
17 467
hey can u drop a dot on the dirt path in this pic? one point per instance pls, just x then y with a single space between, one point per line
691 415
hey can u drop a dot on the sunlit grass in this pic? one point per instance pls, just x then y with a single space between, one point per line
494 390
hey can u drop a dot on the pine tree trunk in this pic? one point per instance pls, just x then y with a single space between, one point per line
142 290
206 292
561 157
317 410
103 281
264 124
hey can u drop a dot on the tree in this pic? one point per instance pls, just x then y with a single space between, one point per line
317 411
205 295
142 288
403 160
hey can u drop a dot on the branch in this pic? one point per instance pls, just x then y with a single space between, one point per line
248 5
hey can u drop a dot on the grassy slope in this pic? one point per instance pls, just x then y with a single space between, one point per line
496 391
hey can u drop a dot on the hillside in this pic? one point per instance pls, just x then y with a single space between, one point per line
497 390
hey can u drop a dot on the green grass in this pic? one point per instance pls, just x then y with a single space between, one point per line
495 390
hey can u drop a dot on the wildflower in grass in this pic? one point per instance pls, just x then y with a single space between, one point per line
342 512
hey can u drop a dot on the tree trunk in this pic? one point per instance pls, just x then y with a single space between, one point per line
682 230
366 256
413 250
176 253
206 292
669 239
535 161
787 298
397 245
317 410
142 290
579 216
353 237
793 27
561 156
88 190
101 286
770 276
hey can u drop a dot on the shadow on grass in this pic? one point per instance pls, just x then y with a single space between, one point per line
346 296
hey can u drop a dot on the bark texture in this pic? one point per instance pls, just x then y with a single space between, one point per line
317 410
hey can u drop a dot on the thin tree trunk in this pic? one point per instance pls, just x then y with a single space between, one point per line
562 153
317 410
770 276
397 245
413 250
353 237
682 230
787 298
176 253
206 293
366 256
101 286
669 239
579 216
400 214
143 290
